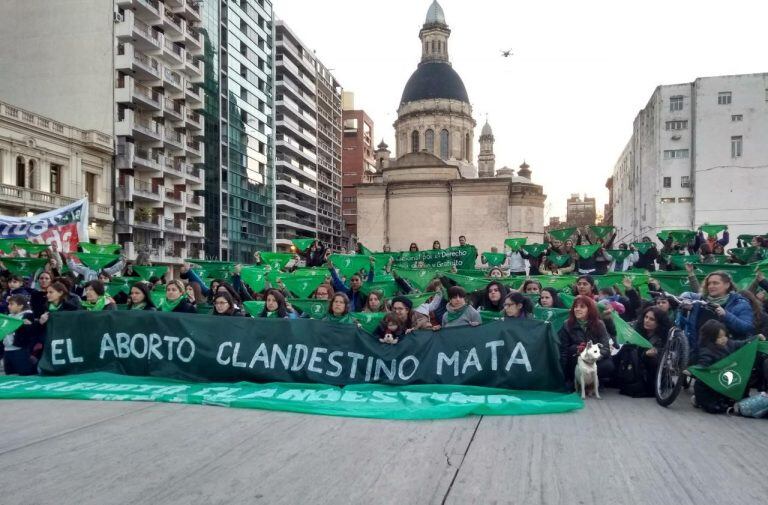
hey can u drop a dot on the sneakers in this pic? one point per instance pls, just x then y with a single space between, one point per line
693 401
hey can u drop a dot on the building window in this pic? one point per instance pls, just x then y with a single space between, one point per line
439 46
21 173
667 200
55 179
467 147
686 199
675 103
736 147
90 186
685 181
675 154
444 144
724 98
667 182
433 46
31 175
677 125
429 141
415 141
737 117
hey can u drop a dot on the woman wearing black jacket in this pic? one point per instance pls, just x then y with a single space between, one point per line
584 325
637 366
176 298
224 305
140 298
646 259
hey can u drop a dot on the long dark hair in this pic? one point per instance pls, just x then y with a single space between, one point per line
282 309
709 332
663 323
343 297
757 308
228 298
557 303
521 299
587 278
144 288
487 304
593 316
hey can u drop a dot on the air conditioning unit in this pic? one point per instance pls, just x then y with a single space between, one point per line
119 17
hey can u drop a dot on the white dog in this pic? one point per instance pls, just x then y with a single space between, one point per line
586 369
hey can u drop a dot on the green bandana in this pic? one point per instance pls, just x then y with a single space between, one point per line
316 309
452 315
535 250
643 247
494 259
302 286
96 261
743 254
96 306
680 260
272 313
146 272
31 248
254 277
89 248
712 229
563 234
168 306
53 307
254 308
276 260
349 264
9 324
369 320
602 231
7 244
730 375
587 251
419 279
139 306
720 300
26 267
515 244
388 288
619 255
302 244
559 259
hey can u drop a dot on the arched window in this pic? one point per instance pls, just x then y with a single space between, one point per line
32 176
21 173
439 46
426 46
415 141
444 144
468 147
429 141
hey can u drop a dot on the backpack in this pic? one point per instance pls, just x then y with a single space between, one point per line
754 406
629 372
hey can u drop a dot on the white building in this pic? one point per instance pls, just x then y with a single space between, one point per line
45 164
698 154
307 144
131 68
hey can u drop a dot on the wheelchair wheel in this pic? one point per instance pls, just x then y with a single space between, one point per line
674 360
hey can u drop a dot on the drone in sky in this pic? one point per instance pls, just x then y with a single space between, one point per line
507 53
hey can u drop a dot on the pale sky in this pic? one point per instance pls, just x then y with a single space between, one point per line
580 73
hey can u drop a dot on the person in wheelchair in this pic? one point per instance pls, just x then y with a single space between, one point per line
722 303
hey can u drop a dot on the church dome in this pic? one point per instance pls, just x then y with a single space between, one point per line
486 130
434 80
435 14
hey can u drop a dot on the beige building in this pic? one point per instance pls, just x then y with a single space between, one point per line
46 164
431 190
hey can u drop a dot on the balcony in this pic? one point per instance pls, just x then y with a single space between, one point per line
136 31
193 174
174 54
288 123
285 219
146 129
194 121
194 41
286 82
173 226
147 191
289 200
174 110
172 168
194 149
174 198
194 201
152 223
173 25
172 81
146 10
129 59
32 199
194 96
195 229
194 68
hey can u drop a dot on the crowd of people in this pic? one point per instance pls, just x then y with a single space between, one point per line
515 289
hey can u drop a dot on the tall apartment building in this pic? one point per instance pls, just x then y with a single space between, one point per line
357 158
45 164
307 144
239 141
131 68
697 155
580 211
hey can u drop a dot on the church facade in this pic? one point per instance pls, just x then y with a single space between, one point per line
431 189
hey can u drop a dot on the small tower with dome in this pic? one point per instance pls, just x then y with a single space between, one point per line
486 160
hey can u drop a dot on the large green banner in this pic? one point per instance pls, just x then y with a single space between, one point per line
506 354
362 400
460 257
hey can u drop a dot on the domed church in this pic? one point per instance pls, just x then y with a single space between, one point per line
431 189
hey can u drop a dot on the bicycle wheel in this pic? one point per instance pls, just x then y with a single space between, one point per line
674 360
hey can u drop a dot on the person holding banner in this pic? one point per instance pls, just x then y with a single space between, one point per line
58 300
647 254
636 367
176 298
517 306
492 299
139 298
584 325
338 310
96 298
374 302
224 305
90 274
38 298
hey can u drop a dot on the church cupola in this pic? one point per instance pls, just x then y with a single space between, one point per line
434 35
486 160
525 171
